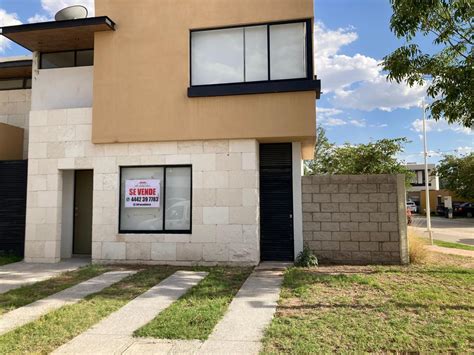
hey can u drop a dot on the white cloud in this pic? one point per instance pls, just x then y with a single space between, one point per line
7 19
336 70
39 18
327 117
357 81
328 42
53 6
464 150
379 94
438 126
358 123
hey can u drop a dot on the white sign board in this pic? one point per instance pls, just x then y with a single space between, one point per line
142 193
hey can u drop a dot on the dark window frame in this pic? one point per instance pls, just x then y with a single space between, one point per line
309 53
24 85
164 230
70 51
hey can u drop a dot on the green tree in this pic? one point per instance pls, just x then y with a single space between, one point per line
457 174
449 71
379 157
322 151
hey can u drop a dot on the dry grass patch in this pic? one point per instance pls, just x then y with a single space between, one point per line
417 248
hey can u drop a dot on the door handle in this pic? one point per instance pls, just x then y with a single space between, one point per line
291 215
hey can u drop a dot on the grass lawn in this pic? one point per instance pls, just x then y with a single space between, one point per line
58 327
8 259
444 244
27 294
195 314
425 308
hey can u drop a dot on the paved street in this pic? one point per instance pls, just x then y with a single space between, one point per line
458 230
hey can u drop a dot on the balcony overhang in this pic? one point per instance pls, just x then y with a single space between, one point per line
16 69
54 36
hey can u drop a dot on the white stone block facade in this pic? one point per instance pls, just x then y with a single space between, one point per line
15 107
225 194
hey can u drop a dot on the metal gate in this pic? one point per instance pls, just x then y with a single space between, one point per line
276 202
13 176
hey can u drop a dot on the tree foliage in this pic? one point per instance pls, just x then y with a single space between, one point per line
457 174
379 157
449 71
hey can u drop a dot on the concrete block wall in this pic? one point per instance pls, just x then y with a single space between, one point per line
15 107
355 219
225 206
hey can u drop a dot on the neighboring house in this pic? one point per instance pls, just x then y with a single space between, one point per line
169 131
437 199
15 104
15 98
418 183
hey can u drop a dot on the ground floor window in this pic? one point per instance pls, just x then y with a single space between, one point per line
155 199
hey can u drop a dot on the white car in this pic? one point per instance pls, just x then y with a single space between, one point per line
412 207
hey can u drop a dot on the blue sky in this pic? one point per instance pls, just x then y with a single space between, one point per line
358 104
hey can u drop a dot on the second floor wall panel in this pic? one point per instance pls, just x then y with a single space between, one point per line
142 73
62 88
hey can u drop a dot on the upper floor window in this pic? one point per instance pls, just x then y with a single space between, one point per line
67 59
251 53
15 84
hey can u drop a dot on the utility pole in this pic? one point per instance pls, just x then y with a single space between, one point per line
427 188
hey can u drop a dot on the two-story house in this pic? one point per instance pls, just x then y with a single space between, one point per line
417 184
170 131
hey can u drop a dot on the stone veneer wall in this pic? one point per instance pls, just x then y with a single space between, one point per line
356 219
15 106
225 194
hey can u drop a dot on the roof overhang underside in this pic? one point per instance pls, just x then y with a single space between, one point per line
55 36
15 69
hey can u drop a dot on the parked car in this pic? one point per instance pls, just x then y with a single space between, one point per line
440 210
412 207
465 209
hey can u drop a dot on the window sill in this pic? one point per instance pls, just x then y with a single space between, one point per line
256 88
152 232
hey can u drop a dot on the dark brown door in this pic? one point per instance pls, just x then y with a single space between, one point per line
83 186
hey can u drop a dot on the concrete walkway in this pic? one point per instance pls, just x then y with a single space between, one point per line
241 329
451 251
113 335
250 312
20 274
33 311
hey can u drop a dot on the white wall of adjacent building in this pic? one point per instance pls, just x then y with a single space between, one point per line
14 110
418 181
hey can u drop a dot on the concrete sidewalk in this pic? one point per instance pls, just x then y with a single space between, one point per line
451 251
113 335
20 274
250 312
74 294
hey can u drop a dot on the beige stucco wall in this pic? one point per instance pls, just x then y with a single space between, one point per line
141 76
14 110
11 142
225 206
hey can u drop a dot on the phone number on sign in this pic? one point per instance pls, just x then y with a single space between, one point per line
143 199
